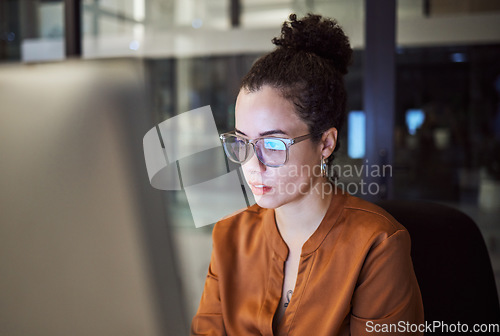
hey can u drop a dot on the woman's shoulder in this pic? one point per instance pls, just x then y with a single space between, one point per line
250 211
240 222
366 219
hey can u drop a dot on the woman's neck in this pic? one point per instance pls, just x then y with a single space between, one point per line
298 220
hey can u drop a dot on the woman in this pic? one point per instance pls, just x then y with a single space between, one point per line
307 259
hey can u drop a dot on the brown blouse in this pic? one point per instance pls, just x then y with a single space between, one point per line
355 276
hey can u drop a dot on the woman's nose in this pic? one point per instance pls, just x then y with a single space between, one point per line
253 163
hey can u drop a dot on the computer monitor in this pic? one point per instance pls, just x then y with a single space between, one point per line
85 245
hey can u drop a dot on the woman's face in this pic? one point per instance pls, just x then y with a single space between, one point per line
266 112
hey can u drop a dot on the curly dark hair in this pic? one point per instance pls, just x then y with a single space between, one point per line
307 67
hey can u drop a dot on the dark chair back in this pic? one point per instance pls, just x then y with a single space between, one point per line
451 263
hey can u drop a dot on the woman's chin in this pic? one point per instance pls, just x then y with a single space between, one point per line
264 201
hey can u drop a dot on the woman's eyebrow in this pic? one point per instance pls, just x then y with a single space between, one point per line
275 131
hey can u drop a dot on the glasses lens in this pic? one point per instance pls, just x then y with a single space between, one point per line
235 148
271 152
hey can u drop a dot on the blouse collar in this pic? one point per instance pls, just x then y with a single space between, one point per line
312 244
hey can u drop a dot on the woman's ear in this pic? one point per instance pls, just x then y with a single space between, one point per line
328 141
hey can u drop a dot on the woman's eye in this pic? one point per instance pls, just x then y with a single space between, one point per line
240 141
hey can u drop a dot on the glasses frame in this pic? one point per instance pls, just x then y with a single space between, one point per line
287 141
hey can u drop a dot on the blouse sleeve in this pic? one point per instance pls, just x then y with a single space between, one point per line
387 299
208 320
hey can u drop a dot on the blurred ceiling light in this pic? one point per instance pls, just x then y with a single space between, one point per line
139 10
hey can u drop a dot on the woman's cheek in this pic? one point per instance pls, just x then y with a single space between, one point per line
286 181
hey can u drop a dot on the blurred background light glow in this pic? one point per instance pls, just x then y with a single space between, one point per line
458 57
356 134
414 119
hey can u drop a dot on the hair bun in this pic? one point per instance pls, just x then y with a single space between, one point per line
318 35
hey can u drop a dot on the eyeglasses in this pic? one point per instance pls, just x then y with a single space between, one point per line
271 151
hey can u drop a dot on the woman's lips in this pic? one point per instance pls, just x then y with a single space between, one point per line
259 189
